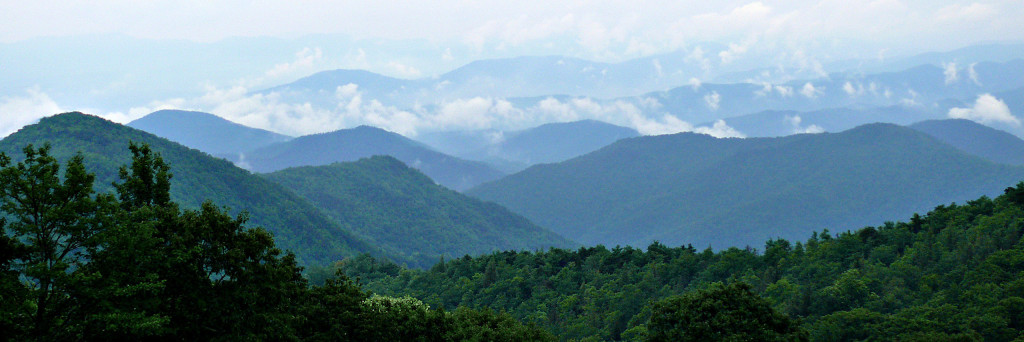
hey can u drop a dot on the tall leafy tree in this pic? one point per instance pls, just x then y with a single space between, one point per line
55 221
721 313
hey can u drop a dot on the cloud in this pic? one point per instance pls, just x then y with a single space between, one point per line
851 90
712 100
795 122
949 70
810 91
403 71
767 89
18 111
972 74
986 109
720 130
695 83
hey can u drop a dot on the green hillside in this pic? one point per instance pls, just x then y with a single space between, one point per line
691 188
406 214
955 274
296 224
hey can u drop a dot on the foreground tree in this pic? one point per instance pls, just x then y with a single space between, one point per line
55 221
720 313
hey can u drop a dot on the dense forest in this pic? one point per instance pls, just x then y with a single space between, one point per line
81 265
77 264
956 273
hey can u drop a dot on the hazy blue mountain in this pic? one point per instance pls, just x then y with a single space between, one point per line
406 214
197 177
365 141
920 88
206 132
778 123
977 139
692 188
515 150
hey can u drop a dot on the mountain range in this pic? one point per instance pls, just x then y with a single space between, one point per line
197 177
402 211
513 151
692 188
365 141
206 132
323 214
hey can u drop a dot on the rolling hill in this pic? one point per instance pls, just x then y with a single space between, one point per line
977 139
197 177
364 141
516 150
691 188
206 132
409 216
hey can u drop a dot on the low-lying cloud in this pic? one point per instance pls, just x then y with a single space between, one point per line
986 109
18 111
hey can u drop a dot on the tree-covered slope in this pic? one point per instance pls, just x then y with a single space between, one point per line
956 273
406 214
296 224
206 132
364 141
690 188
977 139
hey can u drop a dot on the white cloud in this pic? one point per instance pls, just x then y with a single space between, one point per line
795 122
403 71
720 130
972 74
810 91
986 109
851 90
18 111
712 100
950 72
695 83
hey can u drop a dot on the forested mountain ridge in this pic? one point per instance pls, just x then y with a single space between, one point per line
206 132
406 214
296 224
691 188
956 273
365 141
977 139
514 151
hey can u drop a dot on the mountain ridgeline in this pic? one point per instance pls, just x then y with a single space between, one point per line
404 213
516 150
977 139
206 132
197 177
695 189
364 141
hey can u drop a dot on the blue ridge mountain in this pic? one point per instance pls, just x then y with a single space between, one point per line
977 139
515 150
206 132
365 141
406 214
692 188
197 177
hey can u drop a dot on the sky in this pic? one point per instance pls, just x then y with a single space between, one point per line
280 41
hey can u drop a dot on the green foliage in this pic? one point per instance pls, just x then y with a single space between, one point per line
955 273
720 313
296 224
75 265
404 213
